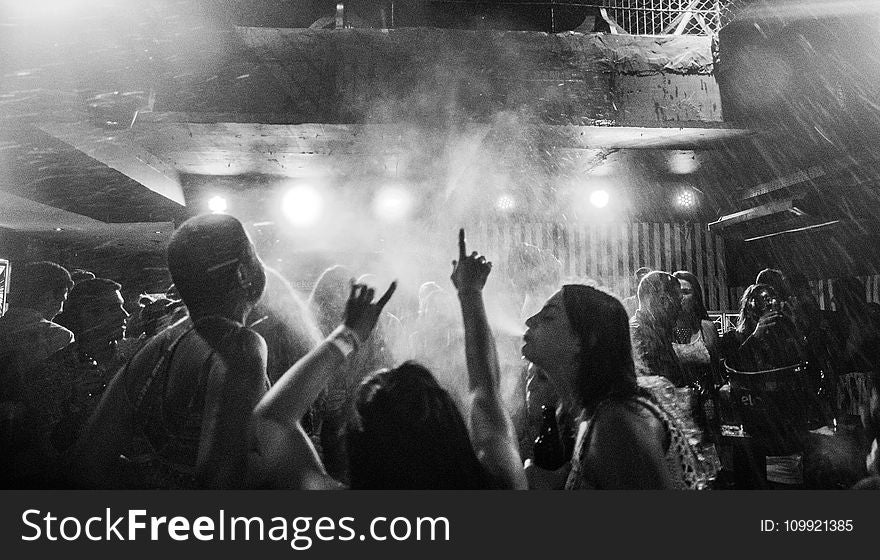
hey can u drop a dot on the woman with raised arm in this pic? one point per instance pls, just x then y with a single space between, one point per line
492 434
625 439
406 432
281 454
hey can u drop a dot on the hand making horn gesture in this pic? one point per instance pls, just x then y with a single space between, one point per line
469 272
361 313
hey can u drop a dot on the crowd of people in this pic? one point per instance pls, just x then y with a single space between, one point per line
230 379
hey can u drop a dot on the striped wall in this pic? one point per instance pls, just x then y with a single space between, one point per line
610 253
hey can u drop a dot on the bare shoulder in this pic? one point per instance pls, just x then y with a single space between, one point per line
627 421
239 342
249 338
626 449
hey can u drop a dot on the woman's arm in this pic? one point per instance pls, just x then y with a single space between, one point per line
492 433
277 437
713 345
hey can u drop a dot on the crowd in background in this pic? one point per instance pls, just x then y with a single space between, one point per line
231 379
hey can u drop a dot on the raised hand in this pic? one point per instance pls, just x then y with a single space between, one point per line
469 272
765 323
361 313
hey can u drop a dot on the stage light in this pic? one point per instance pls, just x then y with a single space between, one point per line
686 198
392 204
302 205
683 162
599 198
505 203
217 205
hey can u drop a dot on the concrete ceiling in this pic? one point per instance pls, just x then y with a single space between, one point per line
100 128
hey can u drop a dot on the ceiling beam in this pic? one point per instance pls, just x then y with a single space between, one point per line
189 129
118 150
739 218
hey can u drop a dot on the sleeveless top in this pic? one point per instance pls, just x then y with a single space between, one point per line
680 458
693 353
165 451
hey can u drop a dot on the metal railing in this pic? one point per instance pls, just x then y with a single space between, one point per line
669 17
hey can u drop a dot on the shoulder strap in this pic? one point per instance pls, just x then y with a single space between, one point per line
161 366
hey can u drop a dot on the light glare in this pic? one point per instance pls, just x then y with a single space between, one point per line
392 204
599 198
505 203
686 199
683 162
302 206
217 205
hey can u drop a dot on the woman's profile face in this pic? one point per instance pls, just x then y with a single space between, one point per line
549 338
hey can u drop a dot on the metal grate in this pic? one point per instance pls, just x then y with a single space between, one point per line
669 17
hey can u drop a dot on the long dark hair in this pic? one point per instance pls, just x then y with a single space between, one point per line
700 313
748 319
407 433
602 326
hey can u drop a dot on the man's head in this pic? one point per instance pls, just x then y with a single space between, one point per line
95 310
775 279
214 266
78 275
641 272
41 286
660 295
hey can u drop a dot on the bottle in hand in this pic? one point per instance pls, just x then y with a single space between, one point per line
549 452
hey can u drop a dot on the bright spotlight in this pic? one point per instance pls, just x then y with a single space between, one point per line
392 204
302 205
683 162
505 203
686 198
599 198
217 205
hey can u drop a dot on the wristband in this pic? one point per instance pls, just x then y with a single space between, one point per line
345 340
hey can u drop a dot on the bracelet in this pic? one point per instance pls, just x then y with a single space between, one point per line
345 340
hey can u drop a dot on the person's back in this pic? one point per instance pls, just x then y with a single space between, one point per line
635 428
28 337
27 334
187 397
651 327
169 383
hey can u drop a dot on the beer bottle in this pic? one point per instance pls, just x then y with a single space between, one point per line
549 452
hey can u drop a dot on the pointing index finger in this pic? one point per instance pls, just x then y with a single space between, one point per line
461 245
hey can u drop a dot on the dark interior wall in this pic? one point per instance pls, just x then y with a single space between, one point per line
806 76
830 254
